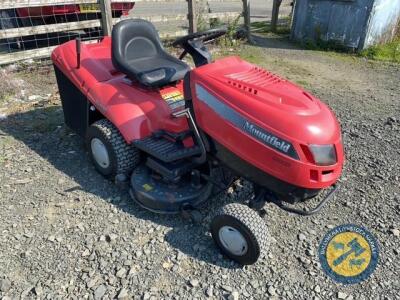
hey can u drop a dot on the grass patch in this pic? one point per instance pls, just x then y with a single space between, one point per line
249 53
386 52
282 28
327 46
5 140
252 55
302 83
258 56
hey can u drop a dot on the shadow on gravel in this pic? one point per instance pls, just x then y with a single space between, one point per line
263 36
43 131
274 42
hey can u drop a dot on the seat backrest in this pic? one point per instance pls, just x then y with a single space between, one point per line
133 39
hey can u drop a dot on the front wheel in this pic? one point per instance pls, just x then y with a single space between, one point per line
240 233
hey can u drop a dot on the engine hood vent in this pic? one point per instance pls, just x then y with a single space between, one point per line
244 84
252 79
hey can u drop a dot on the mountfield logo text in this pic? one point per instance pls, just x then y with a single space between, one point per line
267 138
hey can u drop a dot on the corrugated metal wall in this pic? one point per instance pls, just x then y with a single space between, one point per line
351 23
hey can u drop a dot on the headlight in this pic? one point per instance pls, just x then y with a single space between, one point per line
324 155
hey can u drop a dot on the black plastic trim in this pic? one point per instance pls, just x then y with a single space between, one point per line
166 150
286 191
74 102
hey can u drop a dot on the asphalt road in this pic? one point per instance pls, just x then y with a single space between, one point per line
260 10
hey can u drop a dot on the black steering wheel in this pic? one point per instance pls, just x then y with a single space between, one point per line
203 36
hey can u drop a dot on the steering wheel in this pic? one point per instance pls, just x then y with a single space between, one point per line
204 36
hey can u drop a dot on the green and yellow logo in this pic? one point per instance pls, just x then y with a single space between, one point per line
349 254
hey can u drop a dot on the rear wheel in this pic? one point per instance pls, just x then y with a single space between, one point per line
108 150
240 233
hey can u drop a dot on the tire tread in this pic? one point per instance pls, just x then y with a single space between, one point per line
127 156
251 220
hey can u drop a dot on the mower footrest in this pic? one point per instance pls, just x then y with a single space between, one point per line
166 150
171 171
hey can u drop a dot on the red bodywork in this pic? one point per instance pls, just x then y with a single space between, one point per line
56 10
135 110
266 100
276 105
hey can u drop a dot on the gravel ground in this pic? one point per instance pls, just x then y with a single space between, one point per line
68 233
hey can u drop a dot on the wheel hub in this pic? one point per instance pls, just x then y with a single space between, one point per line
233 240
100 153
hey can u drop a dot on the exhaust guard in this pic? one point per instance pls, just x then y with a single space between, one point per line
313 211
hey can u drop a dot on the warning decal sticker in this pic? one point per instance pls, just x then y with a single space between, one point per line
174 99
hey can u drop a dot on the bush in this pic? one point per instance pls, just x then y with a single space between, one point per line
385 52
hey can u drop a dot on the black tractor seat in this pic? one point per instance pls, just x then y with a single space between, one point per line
137 52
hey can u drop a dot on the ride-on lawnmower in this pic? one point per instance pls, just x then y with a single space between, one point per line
181 135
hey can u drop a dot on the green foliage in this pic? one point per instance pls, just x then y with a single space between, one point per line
385 52
322 45
230 38
202 9
215 23
205 23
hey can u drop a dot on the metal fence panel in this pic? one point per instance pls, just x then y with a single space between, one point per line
33 28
